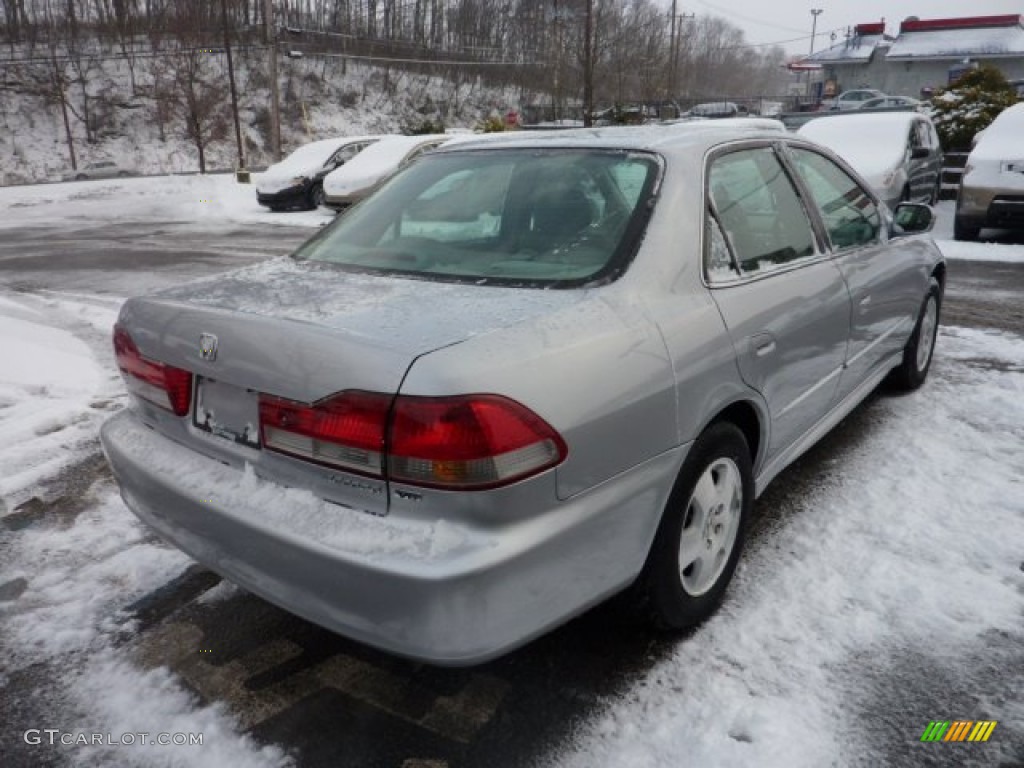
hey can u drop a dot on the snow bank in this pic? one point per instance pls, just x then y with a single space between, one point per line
47 384
80 570
211 199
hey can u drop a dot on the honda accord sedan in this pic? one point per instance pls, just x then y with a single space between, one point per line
524 375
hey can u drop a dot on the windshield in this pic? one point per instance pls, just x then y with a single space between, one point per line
555 217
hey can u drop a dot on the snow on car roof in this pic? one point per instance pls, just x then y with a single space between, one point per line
868 142
386 154
700 133
1002 139
316 152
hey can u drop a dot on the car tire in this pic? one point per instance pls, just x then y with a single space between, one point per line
81 177
123 174
963 231
917 355
316 196
704 522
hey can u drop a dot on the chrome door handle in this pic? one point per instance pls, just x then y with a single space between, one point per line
765 348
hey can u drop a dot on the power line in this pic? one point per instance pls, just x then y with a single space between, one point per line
732 14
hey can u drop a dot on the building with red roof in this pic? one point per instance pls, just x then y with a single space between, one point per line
925 54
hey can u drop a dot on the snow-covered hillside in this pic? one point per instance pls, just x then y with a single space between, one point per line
319 98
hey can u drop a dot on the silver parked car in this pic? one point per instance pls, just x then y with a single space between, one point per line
851 99
992 189
897 153
522 376
105 169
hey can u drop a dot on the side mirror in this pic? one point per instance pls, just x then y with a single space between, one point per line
919 153
912 219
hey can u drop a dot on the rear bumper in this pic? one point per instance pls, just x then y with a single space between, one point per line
339 202
290 196
996 206
446 593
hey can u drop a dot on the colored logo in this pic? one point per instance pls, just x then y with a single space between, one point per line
958 730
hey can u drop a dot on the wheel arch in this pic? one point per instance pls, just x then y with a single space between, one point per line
939 273
750 419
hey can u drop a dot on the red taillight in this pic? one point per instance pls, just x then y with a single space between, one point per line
346 430
470 441
159 383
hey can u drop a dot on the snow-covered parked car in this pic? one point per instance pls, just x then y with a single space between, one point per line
297 181
850 99
372 168
891 102
992 188
717 109
105 169
897 152
524 375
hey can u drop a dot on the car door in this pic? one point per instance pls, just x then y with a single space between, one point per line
884 298
781 296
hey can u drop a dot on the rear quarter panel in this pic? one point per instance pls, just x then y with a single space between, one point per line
597 372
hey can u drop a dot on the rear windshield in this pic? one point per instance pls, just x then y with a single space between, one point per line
557 218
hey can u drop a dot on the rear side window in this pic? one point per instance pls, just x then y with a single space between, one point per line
759 212
513 216
850 215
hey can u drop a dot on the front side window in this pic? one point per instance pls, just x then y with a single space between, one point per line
514 216
850 215
759 212
344 154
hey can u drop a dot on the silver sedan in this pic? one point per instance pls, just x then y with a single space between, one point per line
523 376
106 169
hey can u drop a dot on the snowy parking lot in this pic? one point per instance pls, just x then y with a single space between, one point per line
882 587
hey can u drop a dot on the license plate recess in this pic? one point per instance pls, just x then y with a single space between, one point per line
227 411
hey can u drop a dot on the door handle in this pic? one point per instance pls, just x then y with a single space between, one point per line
764 348
865 302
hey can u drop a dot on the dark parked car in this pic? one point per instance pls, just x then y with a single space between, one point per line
521 376
298 180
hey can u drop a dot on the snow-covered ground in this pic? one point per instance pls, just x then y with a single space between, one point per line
909 544
199 200
322 99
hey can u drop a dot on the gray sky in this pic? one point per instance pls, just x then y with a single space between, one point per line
788 22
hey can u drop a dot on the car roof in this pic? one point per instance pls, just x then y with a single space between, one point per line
1002 137
699 135
857 122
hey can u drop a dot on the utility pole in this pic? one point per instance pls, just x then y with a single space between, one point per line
672 55
588 67
231 81
815 12
275 102
673 49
